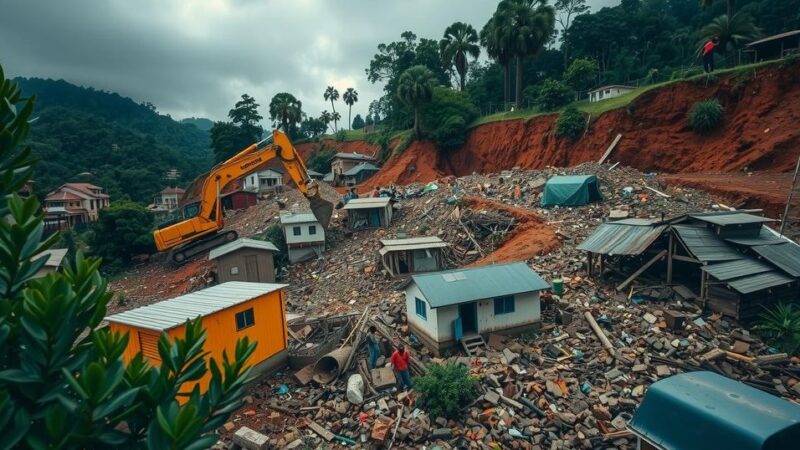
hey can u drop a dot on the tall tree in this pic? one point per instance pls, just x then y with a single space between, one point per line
326 118
228 138
568 9
499 49
286 110
335 116
415 89
358 122
460 41
730 6
528 26
350 97
332 94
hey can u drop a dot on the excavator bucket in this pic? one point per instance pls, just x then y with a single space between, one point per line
322 210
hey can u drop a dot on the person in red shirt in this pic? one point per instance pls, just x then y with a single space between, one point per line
399 362
708 54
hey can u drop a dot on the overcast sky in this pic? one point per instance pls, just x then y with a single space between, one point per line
196 57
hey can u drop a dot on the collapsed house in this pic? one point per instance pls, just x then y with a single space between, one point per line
412 255
305 236
730 261
445 309
373 212
359 173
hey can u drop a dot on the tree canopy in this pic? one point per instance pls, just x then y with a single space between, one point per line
229 138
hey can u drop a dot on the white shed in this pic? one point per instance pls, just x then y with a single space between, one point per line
610 91
305 236
372 212
445 307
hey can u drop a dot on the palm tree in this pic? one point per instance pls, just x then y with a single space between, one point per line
350 96
498 50
733 33
286 110
460 40
526 25
415 88
326 118
335 116
332 94
730 5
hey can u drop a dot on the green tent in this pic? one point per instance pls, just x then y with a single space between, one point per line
575 190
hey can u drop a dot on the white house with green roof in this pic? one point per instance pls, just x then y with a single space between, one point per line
442 308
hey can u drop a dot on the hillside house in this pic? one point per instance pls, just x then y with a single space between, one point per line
228 312
373 212
74 204
446 308
610 91
359 173
168 199
54 258
268 180
412 255
305 236
245 260
775 47
343 162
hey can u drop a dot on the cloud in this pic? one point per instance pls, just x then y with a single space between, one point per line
196 57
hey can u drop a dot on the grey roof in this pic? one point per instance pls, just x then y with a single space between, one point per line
357 156
328 177
736 269
786 256
452 287
609 86
765 237
755 283
301 217
174 312
369 202
395 245
730 219
54 256
313 173
704 244
621 238
360 167
775 37
239 244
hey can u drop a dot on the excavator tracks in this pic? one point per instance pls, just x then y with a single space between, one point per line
186 253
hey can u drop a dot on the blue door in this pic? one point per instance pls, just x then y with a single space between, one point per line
458 330
375 218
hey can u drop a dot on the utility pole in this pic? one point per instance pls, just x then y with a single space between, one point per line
789 213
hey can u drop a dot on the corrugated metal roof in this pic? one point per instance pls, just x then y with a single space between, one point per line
300 217
731 219
370 202
618 238
706 411
363 166
241 243
755 283
735 269
174 312
775 37
400 248
452 287
704 244
414 240
54 256
786 256
765 237
328 177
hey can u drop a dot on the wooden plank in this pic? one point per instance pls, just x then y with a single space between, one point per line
599 332
610 149
641 270
658 192
323 432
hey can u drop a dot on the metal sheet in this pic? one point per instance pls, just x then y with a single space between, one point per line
239 244
704 245
736 269
399 248
358 168
765 237
174 312
615 238
301 217
366 203
730 219
755 283
465 285
414 240
786 256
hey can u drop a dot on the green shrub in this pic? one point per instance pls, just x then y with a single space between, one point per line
320 159
404 141
581 74
570 123
341 135
780 326
445 389
706 115
275 235
445 118
122 230
553 94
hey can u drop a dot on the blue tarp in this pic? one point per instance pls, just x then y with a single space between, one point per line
575 190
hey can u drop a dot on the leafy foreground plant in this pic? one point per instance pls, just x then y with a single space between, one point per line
63 384
445 389
570 123
706 115
780 327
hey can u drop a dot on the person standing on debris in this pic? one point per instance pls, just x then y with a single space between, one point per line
399 361
353 193
347 196
708 54
377 192
373 347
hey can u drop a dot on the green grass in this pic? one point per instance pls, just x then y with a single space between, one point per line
598 108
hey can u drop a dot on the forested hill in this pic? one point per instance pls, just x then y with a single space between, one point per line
125 147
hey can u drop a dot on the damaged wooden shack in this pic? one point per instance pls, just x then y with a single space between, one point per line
732 262
373 212
412 255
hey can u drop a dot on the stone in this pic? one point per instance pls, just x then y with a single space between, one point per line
250 439
662 370
441 433
491 397
601 412
649 318
229 426
554 389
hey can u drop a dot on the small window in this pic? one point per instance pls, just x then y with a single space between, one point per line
422 309
504 305
296 231
312 229
245 319
234 270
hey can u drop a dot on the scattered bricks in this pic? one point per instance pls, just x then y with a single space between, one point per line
250 439
554 389
229 426
381 428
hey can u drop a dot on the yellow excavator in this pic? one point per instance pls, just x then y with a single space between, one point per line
201 228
